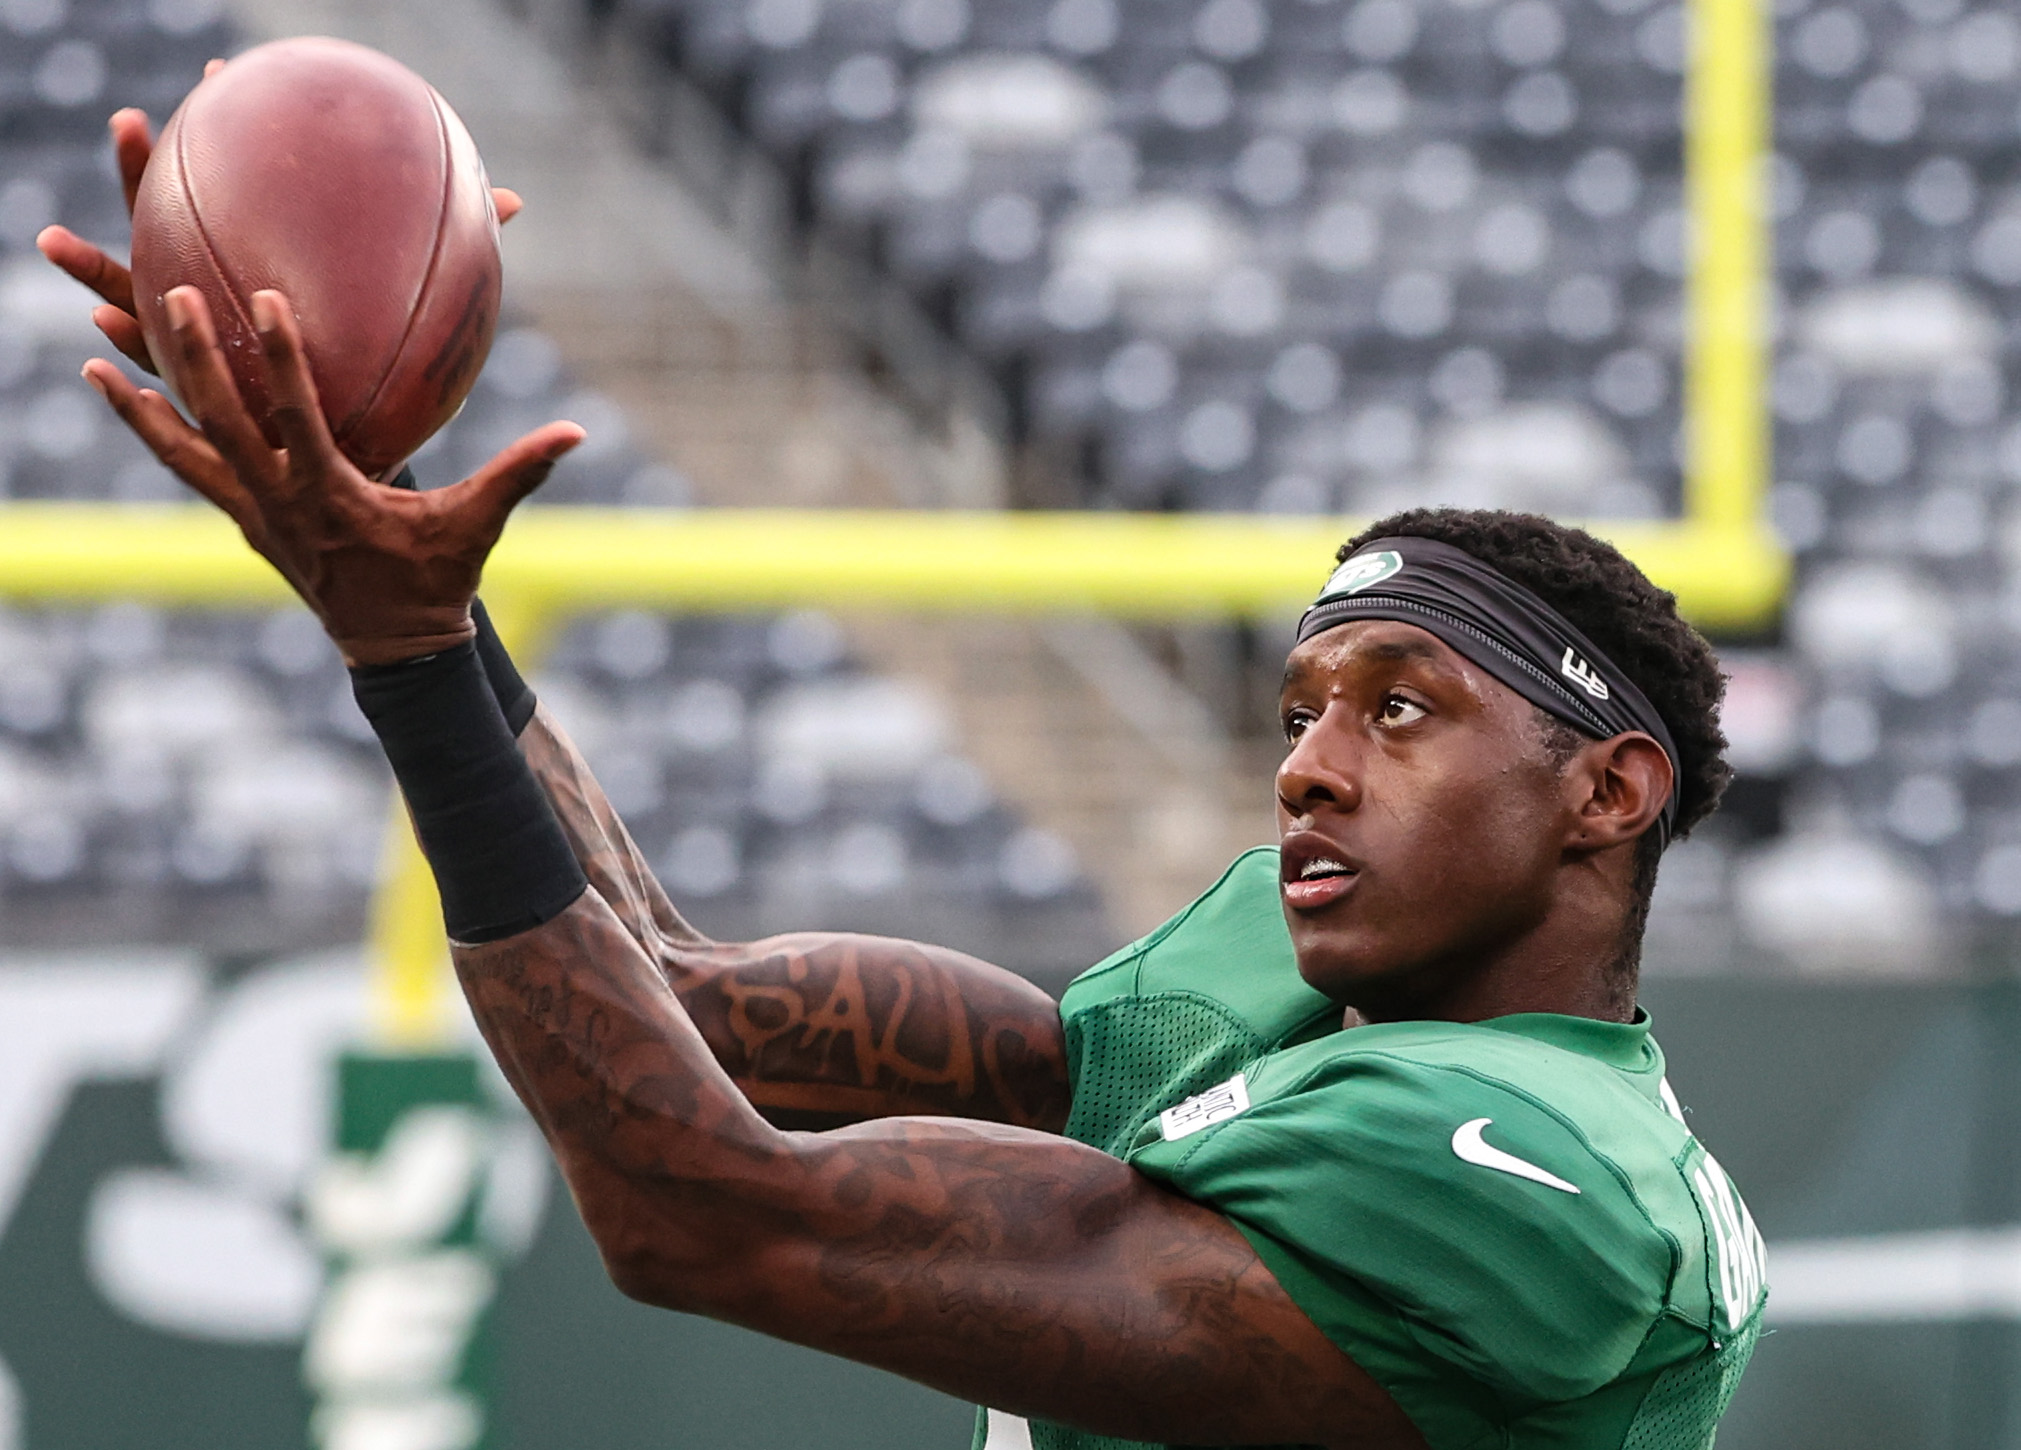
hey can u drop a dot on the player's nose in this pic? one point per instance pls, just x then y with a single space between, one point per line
1322 770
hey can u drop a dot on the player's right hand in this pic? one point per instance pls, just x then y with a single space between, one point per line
132 144
390 572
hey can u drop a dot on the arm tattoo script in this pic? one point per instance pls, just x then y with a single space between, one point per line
1012 1267
824 1028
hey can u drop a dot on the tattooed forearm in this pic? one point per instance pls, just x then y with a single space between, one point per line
824 1028
1012 1267
590 1037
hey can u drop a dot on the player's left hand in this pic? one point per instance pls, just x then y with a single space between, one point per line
132 145
391 573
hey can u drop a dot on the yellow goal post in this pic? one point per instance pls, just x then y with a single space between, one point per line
1720 557
558 562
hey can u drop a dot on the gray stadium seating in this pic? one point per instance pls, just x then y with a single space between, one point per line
1298 255
1316 255
204 777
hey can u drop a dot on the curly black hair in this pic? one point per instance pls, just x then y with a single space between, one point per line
1633 622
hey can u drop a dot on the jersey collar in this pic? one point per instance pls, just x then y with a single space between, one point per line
1624 1045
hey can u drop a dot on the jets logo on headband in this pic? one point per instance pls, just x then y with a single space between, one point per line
1360 572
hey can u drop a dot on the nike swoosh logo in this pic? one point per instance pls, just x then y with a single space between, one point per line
1470 1147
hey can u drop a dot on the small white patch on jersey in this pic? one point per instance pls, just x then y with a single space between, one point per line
1007 1432
1203 1110
1470 1147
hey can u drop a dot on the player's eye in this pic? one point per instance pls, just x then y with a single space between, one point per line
1297 721
1397 710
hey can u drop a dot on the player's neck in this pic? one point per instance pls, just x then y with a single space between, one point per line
1570 963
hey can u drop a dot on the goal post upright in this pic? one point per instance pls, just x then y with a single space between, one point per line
1728 115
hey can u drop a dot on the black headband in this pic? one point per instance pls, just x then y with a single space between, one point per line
1502 627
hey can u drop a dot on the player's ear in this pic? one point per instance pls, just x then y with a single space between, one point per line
1617 788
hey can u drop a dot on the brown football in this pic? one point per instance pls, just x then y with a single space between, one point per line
339 176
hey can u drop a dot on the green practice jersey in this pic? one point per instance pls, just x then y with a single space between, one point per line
1506 1223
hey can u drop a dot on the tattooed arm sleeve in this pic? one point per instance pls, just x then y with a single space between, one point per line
1010 1267
820 1029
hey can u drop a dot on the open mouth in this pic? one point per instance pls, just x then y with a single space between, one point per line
1316 882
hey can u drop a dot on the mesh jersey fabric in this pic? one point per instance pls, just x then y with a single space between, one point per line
1496 1308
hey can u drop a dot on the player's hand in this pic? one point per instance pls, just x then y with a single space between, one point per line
390 573
132 144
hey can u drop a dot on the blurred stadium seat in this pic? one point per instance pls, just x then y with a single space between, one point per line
1309 256
204 778
1238 255
1243 254
1896 432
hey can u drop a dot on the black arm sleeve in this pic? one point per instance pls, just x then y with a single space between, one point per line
500 858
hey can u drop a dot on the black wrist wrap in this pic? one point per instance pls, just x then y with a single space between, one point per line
500 858
514 695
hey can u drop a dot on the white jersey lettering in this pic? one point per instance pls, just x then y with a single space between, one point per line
1743 1257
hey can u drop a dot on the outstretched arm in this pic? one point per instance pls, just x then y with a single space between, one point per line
819 1029
1017 1269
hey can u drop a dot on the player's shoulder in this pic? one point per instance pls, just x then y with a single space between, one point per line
1473 1198
1229 947
1544 1087
1589 1098
1555 1124
1566 1123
